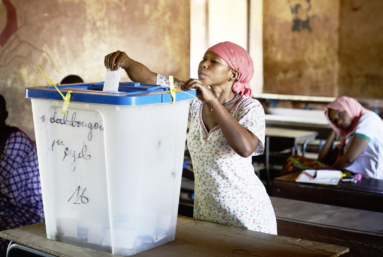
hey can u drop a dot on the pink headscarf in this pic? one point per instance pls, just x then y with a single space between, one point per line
238 59
353 108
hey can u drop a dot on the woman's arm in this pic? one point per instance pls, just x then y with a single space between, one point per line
325 151
136 71
357 146
238 137
18 146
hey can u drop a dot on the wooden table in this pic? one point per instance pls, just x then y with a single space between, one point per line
359 230
193 238
281 138
278 121
372 104
278 139
366 194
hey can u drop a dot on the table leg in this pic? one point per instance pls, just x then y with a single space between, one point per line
267 161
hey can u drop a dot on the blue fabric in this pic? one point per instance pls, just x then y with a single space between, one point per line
20 191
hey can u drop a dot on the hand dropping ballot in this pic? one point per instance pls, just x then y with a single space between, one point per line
328 177
112 80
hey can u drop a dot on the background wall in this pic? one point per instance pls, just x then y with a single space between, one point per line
199 32
361 48
227 22
214 21
240 21
72 37
256 44
310 47
323 47
300 47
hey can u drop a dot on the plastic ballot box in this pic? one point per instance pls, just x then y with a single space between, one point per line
111 165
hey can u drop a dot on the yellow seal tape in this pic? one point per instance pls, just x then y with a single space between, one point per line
66 98
173 90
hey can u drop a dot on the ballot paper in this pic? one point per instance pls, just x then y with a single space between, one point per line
328 177
112 80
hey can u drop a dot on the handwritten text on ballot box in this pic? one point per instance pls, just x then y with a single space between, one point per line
111 166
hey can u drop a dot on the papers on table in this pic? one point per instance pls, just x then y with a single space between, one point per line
328 177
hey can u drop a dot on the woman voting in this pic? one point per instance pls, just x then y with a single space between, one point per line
226 127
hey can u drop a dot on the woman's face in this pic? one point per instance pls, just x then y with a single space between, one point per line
341 119
213 70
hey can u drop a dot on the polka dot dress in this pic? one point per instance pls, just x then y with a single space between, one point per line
226 189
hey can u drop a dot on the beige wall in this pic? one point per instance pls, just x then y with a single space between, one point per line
72 37
300 60
214 21
199 41
361 48
256 44
228 22
342 55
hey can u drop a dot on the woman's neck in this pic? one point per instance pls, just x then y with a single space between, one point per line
223 94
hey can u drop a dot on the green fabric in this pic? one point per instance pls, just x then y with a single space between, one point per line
364 136
298 164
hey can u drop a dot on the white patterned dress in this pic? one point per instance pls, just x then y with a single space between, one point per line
226 189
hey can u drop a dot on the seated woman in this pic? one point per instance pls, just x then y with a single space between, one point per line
20 193
361 137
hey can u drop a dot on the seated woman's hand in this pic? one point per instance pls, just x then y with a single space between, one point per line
203 91
116 60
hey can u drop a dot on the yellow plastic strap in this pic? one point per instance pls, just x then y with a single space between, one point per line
173 90
66 98
66 102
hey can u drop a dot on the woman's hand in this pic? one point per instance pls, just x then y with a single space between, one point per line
136 71
116 60
326 149
203 91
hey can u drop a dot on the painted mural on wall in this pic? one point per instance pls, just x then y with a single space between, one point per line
300 57
13 48
11 25
301 14
72 37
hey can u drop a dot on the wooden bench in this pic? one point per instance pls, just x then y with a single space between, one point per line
360 230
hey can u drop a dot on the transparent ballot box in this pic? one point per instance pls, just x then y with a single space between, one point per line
111 165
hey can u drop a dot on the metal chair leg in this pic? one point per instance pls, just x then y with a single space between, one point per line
13 247
304 146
